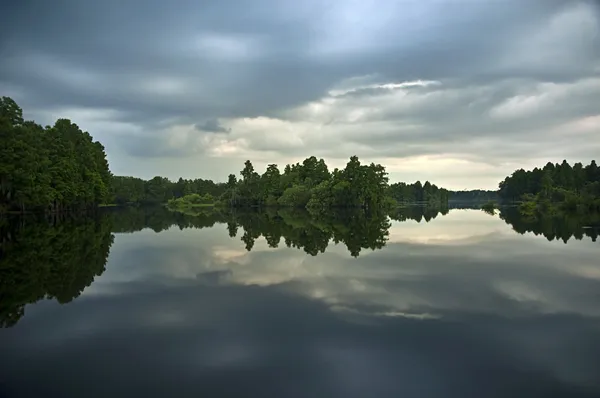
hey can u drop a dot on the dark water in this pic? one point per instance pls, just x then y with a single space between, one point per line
430 303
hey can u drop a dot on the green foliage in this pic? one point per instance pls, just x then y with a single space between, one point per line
158 190
310 185
54 169
296 196
414 193
191 201
555 187
302 185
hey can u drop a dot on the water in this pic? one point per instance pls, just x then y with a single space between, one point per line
432 303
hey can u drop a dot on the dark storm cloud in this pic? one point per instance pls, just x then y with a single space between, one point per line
114 42
213 126
154 147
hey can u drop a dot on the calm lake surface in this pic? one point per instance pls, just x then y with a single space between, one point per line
452 303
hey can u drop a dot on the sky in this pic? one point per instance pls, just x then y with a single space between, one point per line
457 92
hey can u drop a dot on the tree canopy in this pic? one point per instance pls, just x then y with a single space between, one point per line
55 168
570 186
312 185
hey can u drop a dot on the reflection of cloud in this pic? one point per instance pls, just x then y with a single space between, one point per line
455 228
225 254
234 339
518 312
480 265
214 277
424 315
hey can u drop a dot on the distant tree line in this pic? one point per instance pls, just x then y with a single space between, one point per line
52 168
475 195
417 192
127 190
571 187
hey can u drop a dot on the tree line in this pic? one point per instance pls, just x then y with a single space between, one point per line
571 187
133 190
61 168
307 184
417 192
475 195
52 168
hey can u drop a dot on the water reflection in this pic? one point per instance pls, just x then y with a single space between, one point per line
460 306
58 258
357 230
53 259
554 226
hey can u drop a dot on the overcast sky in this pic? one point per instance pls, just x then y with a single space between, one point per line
458 92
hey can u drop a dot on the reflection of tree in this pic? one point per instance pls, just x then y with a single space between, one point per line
357 229
417 213
554 226
58 259
55 260
158 218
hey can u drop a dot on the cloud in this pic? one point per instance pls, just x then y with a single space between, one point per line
212 126
484 83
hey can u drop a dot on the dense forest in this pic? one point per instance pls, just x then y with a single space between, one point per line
569 187
52 168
